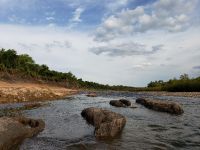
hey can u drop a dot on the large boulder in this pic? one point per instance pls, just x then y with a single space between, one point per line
107 124
120 103
14 130
163 106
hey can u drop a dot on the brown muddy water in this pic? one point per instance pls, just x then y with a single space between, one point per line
145 129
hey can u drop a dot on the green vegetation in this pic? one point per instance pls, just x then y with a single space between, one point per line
13 63
183 84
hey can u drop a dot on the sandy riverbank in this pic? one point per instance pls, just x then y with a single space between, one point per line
22 92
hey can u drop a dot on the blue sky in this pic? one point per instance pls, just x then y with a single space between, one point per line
36 12
129 42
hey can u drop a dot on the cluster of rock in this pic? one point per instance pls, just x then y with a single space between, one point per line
14 130
163 106
107 124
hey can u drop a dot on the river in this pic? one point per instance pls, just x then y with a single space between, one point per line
145 129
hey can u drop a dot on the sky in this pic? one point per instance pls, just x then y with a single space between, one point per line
116 42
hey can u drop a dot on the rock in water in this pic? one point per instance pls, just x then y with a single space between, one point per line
107 124
163 106
120 103
91 95
14 130
117 103
125 102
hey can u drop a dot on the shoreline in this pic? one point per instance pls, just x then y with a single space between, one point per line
31 92
153 93
178 94
36 92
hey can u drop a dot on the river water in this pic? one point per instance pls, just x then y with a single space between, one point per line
145 129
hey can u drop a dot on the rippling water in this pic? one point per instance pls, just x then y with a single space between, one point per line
145 129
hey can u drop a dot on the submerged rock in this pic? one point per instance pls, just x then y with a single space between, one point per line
133 106
32 105
163 106
120 103
14 130
91 95
107 124
17 111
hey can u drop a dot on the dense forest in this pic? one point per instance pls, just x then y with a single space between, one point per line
24 66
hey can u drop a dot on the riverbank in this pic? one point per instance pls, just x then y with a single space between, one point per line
23 92
149 93
179 94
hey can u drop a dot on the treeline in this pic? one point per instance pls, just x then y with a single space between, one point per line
183 84
14 63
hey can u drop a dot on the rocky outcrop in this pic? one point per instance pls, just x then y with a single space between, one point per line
14 130
91 95
163 106
107 124
120 103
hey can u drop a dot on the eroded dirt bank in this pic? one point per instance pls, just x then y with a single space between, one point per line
22 92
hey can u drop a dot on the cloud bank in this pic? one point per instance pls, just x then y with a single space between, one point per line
169 15
113 42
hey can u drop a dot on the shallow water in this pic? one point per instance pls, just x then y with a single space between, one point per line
145 129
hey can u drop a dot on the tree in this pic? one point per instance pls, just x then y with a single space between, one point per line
8 58
184 77
156 83
23 59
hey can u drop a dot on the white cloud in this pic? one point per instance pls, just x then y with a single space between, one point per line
126 49
77 15
143 65
50 18
168 15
